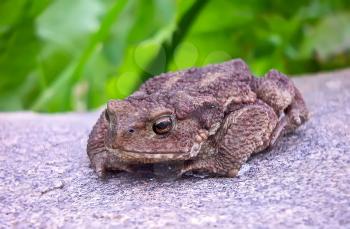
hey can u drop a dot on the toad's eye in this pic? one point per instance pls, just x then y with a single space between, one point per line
163 125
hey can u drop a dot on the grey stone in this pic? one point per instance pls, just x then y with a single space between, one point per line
304 181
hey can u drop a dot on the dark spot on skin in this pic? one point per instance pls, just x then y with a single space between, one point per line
107 116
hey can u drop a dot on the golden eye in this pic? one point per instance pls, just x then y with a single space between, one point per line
163 125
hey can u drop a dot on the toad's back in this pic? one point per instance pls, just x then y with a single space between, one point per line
211 79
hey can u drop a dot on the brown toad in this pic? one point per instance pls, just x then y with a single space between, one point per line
208 119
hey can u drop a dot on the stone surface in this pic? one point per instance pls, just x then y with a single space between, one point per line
303 181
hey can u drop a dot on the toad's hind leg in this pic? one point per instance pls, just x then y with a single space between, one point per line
245 131
279 92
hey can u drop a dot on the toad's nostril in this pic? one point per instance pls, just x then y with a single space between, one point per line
131 130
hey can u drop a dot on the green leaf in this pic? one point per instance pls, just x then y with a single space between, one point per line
67 23
329 38
10 11
55 94
141 45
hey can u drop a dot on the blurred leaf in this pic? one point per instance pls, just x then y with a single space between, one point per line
75 55
19 48
209 39
18 55
186 55
143 45
10 11
67 22
173 37
55 96
326 45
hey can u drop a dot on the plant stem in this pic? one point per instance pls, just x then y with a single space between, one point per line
178 35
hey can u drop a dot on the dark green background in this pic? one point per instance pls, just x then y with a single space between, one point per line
76 54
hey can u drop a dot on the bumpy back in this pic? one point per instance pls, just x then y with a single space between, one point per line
196 79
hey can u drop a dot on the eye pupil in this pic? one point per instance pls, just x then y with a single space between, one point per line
163 125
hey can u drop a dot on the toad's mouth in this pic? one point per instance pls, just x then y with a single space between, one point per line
146 157
155 156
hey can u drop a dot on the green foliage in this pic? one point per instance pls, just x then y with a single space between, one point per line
67 55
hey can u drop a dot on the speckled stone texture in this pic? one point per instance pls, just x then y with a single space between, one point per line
304 181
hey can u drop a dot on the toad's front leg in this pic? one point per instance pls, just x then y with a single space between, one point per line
245 131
